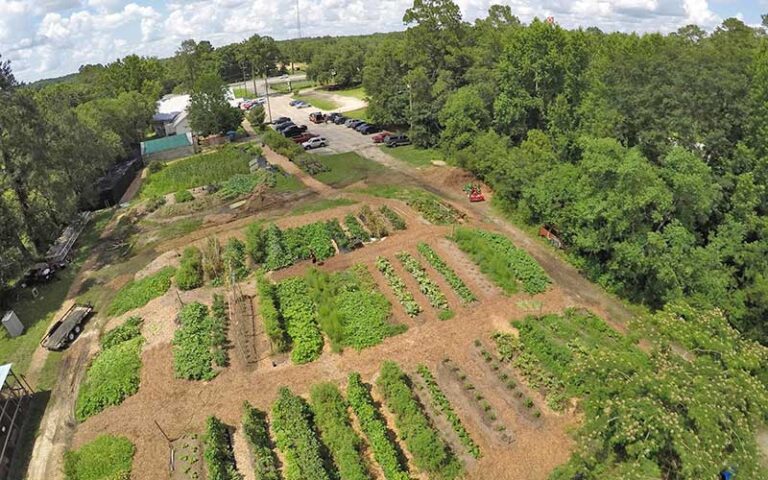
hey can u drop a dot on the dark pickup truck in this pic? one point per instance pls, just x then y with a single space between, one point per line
67 328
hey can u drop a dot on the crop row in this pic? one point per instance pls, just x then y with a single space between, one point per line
392 216
298 313
431 208
219 323
256 433
497 370
398 287
270 314
190 273
536 375
430 453
219 459
193 344
429 288
373 222
498 258
332 421
296 438
357 234
447 272
309 240
375 429
441 402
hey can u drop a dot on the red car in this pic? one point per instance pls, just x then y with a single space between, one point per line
380 137
303 137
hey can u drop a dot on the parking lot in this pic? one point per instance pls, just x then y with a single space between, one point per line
340 138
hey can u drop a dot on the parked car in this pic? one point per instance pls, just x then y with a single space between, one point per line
303 137
331 117
280 120
317 117
340 120
293 103
301 104
294 130
315 142
360 126
353 123
368 129
381 137
284 126
397 140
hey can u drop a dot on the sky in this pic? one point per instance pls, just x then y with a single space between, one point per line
48 38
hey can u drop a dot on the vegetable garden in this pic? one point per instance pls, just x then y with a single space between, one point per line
426 285
398 287
200 341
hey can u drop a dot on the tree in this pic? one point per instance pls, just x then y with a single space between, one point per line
7 80
209 111
256 116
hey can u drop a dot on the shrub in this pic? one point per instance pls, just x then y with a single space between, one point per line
429 451
113 376
213 263
336 432
256 433
128 330
105 458
256 242
138 293
281 145
256 117
277 255
374 428
183 196
296 438
373 222
190 273
155 166
154 203
219 459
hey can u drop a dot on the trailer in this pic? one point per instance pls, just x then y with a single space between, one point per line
67 328
62 247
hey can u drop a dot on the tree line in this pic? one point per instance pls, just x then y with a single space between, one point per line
647 152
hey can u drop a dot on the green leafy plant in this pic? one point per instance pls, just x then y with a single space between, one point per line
256 432
429 288
504 263
138 293
398 287
357 234
430 453
375 429
298 312
295 436
336 432
219 458
394 219
183 196
270 314
447 272
333 227
197 342
234 259
190 273
105 458
130 329
443 405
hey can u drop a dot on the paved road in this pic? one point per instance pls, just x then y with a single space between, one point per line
271 80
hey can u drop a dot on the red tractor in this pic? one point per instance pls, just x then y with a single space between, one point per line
474 192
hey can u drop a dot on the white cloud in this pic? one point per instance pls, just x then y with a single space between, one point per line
54 37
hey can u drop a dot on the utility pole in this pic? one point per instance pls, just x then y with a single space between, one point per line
266 87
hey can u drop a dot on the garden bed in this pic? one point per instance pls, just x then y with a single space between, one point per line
188 462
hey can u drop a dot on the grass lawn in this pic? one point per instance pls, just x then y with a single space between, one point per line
37 313
317 100
418 157
324 204
196 171
346 169
360 113
241 92
282 87
287 183
356 92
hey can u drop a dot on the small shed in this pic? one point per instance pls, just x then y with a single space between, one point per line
167 148
15 396
161 122
12 324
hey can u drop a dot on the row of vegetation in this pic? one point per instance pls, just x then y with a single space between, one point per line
428 287
269 312
200 341
443 405
336 431
375 429
497 257
218 454
458 285
373 222
399 288
298 313
115 373
430 453
106 457
137 293
256 432
498 370
397 222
